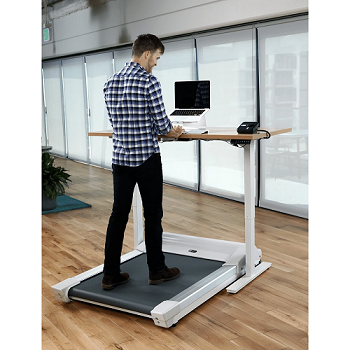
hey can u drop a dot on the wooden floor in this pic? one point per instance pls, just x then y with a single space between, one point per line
270 313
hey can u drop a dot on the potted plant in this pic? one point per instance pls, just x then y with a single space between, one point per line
54 179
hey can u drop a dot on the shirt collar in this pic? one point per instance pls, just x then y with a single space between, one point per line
135 64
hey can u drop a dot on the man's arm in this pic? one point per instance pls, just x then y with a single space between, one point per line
162 122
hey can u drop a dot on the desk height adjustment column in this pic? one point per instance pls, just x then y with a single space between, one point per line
249 206
253 255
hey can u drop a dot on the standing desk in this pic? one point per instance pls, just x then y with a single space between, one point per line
209 265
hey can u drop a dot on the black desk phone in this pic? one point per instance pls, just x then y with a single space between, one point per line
248 128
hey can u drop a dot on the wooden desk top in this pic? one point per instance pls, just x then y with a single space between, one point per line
214 133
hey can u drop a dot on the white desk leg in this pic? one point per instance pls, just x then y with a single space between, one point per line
137 215
252 253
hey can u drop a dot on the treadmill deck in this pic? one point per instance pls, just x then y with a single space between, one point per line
137 295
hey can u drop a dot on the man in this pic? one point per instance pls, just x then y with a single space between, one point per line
136 111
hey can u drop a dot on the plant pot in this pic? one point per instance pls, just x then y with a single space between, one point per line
47 203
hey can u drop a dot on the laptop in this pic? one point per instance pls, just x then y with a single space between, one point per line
192 103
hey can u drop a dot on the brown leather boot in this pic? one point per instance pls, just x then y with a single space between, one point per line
110 282
163 275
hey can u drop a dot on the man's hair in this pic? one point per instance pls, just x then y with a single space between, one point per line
146 42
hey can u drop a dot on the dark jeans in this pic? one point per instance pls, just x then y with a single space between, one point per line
149 178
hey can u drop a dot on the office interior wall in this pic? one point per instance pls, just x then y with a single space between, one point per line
228 59
106 24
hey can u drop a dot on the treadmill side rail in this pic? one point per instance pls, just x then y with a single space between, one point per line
164 313
169 312
61 289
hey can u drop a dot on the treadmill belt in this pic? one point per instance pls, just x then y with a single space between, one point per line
139 296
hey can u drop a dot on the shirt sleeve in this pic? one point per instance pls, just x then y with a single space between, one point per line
160 122
107 99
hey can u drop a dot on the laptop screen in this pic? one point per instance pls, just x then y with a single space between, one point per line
192 94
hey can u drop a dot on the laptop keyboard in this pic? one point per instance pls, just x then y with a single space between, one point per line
186 112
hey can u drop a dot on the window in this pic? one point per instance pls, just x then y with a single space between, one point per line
98 69
180 159
284 103
54 110
75 109
228 61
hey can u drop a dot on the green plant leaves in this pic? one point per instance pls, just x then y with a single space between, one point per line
54 179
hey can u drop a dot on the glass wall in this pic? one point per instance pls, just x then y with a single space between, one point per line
284 103
75 109
52 88
98 69
228 61
43 118
74 104
179 159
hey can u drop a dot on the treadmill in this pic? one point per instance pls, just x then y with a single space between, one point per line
206 267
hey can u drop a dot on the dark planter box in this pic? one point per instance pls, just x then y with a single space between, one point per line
47 203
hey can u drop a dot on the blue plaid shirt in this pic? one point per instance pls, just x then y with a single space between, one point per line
137 114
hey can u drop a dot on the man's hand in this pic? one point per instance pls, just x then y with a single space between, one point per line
176 131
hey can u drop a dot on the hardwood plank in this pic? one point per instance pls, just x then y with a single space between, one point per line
293 320
118 334
301 281
46 344
285 245
55 336
59 272
166 336
134 345
261 321
197 342
293 294
252 298
274 301
101 318
47 306
264 341
46 284
79 339
74 313
283 261
129 325
274 298
208 334
286 339
104 342
215 319
246 343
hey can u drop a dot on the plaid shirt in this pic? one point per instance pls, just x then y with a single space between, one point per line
137 114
